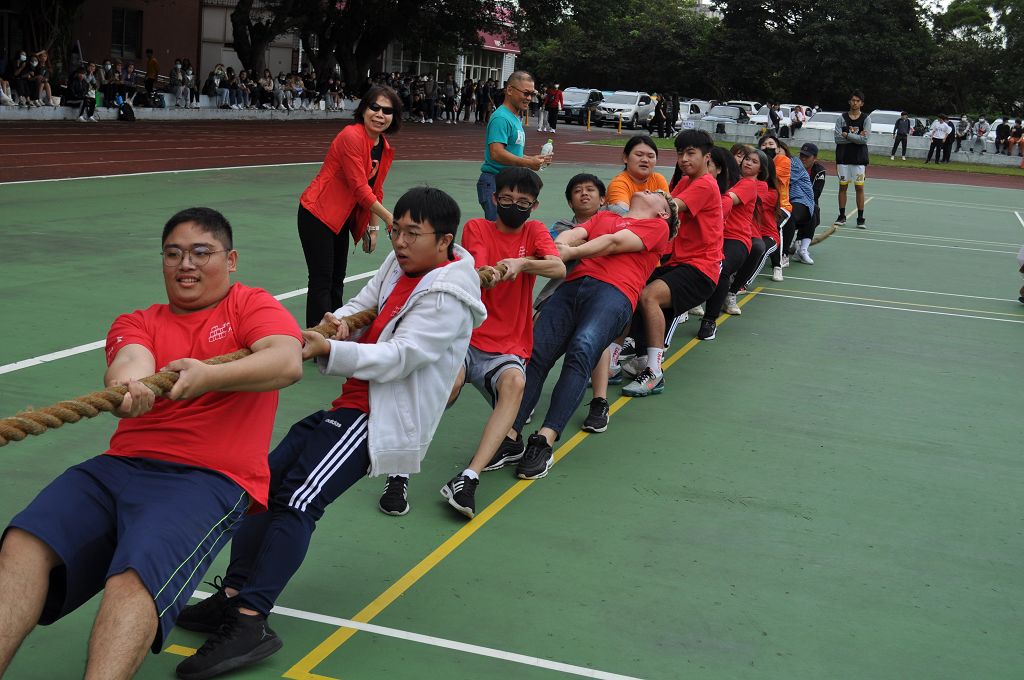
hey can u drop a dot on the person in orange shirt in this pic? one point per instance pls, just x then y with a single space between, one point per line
344 200
152 70
640 157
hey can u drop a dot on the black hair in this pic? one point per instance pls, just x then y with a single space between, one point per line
700 139
208 219
783 147
637 140
583 178
858 94
428 204
771 178
371 97
519 179
762 158
728 169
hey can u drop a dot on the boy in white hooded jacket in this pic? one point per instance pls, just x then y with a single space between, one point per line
400 371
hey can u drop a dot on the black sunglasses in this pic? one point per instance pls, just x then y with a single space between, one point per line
386 110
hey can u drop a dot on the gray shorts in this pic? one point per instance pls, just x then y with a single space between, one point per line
484 368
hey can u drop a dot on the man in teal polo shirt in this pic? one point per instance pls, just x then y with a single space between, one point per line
506 140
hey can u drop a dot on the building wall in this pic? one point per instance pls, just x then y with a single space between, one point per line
218 35
170 27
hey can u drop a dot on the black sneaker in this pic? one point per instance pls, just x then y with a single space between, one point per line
597 419
393 500
460 492
841 220
860 223
708 328
207 615
239 641
537 459
509 451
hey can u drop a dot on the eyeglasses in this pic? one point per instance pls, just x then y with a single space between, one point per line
386 110
528 93
407 236
199 255
521 206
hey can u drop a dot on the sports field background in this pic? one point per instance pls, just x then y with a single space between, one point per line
829 489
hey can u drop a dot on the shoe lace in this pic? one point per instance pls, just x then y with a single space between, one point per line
395 487
645 376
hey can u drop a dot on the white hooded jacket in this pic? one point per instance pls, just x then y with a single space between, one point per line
412 367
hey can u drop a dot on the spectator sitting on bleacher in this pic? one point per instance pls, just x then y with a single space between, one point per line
81 94
215 86
191 83
129 82
333 90
6 96
247 90
265 90
108 88
234 94
176 83
41 76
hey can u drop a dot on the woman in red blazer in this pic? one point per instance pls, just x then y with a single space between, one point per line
345 199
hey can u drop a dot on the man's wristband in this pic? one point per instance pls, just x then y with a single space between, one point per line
372 228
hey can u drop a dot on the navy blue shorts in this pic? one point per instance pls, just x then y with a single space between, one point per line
165 521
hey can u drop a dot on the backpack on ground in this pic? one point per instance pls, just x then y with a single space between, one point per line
125 112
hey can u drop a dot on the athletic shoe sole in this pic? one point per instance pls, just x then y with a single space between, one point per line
595 430
260 653
657 389
547 466
447 493
395 513
503 461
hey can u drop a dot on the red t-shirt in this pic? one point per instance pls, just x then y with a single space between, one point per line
699 241
628 272
769 227
355 393
228 432
509 325
738 224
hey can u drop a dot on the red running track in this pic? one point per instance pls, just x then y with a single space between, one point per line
36 150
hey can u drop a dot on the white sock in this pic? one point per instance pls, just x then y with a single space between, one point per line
654 355
616 350
805 243
470 473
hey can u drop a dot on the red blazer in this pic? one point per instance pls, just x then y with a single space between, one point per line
341 188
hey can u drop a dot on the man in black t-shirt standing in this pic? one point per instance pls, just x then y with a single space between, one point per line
851 134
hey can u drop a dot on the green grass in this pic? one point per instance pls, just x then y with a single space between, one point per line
827 155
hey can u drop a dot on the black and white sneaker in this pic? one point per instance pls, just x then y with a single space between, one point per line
537 459
207 615
461 494
509 451
597 419
708 328
394 500
239 641
861 224
841 220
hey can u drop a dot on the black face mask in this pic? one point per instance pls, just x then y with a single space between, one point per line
768 151
512 216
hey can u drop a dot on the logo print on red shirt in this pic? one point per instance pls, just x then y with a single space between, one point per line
219 332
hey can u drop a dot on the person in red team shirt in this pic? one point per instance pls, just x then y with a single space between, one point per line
690 273
764 234
144 521
500 348
589 310
400 372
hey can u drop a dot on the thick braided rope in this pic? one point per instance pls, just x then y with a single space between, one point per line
37 421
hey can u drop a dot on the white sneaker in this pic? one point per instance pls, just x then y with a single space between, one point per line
82 119
94 118
785 261
697 311
904 158
892 158
633 366
430 120
731 307
805 257
776 273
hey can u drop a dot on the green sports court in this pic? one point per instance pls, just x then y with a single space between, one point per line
830 489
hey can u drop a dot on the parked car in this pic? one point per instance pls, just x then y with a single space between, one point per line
785 125
634 107
823 120
884 121
748 106
692 110
725 113
577 101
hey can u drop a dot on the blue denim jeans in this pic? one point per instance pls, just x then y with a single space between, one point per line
578 320
485 188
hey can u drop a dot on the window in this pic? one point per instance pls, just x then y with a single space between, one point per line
126 33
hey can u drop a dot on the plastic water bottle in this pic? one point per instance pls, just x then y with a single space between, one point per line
547 150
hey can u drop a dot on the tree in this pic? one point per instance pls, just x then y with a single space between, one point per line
255 29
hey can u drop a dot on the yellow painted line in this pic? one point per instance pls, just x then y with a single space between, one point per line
303 670
894 302
180 650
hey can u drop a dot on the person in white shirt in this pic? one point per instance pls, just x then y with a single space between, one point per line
938 132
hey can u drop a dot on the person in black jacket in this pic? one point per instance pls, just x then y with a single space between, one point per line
81 94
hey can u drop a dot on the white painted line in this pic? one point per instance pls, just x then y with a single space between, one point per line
946 203
941 238
523 659
902 290
80 349
923 245
894 309
156 172
1019 218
